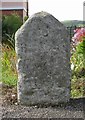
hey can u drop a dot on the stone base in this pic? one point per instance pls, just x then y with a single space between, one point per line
42 97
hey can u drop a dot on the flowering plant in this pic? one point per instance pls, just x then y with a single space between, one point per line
78 62
79 35
79 40
78 48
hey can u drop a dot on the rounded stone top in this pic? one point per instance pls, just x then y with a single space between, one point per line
44 17
42 23
41 14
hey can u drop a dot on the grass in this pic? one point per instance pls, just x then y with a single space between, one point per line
9 73
9 78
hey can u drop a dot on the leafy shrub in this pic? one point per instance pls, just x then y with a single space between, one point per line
79 43
78 62
25 18
10 24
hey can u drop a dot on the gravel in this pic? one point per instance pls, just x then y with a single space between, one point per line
73 109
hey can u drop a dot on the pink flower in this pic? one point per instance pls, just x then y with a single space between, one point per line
79 35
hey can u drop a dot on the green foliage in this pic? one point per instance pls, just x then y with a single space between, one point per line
10 24
9 74
80 51
81 47
77 60
77 87
9 79
11 41
25 18
78 73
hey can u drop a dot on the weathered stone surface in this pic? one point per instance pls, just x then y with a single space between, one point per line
43 51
